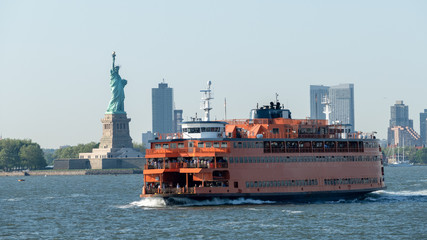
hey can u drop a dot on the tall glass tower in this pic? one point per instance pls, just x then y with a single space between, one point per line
162 107
341 98
342 104
317 93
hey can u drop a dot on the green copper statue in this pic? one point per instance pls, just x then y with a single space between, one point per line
117 90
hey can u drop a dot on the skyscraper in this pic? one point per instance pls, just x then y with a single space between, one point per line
423 126
341 99
317 93
342 104
162 108
400 131
399 115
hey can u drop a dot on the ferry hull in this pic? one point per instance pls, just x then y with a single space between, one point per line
301 197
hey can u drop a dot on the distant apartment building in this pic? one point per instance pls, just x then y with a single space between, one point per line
400 130
146 137
399 115
162 108
423 127
341 98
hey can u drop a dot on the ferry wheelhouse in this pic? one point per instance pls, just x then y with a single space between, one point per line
269 156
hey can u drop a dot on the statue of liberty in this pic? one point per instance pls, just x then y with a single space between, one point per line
117 84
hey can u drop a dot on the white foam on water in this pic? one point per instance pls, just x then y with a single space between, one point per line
399 196
14 199
409 193
292 212
146 202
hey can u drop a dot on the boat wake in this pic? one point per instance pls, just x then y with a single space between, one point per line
400 196
146 203
186 202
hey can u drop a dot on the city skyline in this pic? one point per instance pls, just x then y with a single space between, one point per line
55 83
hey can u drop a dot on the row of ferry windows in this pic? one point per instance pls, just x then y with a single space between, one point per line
343 181
309 182
191 144
201 129
295 144
281 183
304 159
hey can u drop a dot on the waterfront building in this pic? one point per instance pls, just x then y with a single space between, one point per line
423 126
341 99
162 108
400 130
399 115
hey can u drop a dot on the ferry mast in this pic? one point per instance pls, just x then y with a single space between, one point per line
207 96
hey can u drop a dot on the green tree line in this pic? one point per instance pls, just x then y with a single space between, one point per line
412 154
73 151
20 154
24 154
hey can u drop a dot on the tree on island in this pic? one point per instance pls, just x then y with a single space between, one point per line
20 154
73 151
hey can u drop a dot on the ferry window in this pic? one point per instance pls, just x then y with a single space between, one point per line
247 184
194 130
165 146
208 144
203 129
246 159
184 130
245 145
256 184
239 144
173 145
190 144
275 130
157 146
180 145
252 184
231 159
236 184
241 159
200 144
223 144
216 144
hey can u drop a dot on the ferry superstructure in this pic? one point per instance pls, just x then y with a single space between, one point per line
269 156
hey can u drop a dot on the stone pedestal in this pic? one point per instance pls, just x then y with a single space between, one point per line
115 131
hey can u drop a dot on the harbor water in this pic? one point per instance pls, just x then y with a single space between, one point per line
109 207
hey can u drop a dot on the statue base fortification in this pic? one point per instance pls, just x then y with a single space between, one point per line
115 131
115 148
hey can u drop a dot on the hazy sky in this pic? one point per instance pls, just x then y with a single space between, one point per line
55 58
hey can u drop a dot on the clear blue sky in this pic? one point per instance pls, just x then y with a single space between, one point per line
55 58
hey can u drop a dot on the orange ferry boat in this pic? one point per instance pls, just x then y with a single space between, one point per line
269 157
